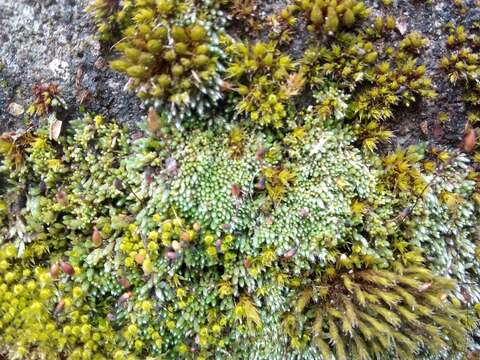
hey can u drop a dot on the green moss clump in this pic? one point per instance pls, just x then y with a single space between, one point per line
266 80
164 245
462 63
403 170
176 65
413 42
376 312
110 17
330 16
378 81
171 62
283 24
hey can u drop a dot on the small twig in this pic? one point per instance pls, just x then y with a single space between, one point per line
133 192
118 42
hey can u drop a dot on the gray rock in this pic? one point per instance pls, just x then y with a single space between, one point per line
53 41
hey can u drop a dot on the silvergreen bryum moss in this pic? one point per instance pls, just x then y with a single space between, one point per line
169 52
329 16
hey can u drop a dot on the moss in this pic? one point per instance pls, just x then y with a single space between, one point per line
383 81
283 24
461 67
330 16
413 42
266 80
270 226
224 230
108 16
47 99
173 63
367 312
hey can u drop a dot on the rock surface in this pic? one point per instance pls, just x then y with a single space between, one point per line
53 41
420 122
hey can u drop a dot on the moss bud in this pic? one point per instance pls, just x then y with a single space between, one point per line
202 49
198 33
136 71
201 60
170 55
179 34
132 53
161 33
181 48
316 16
348 18
177 70
164 80
154 46
146 59
119 65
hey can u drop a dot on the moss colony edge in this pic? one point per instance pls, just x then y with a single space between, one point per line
253 216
